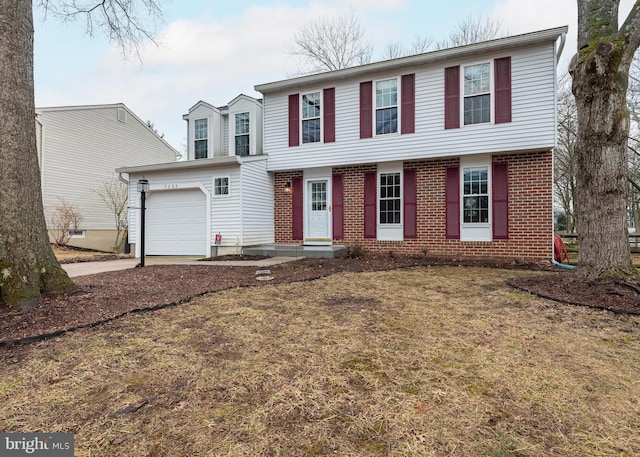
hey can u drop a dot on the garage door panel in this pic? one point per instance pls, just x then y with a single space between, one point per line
176 223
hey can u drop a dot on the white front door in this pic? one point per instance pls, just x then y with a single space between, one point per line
318 212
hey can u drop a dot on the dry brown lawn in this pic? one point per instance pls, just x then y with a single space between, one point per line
419 362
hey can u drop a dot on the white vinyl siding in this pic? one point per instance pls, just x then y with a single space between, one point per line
81 147
243 217
257 204
532 127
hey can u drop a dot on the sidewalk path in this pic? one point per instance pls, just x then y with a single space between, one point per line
89 268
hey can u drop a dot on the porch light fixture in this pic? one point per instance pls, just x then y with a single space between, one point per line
143 188
287 186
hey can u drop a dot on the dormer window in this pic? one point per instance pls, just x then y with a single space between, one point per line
242 134
201 127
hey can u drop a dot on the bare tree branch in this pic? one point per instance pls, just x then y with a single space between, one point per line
471 30
128 23
332 43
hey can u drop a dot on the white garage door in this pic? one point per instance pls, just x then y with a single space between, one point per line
176 223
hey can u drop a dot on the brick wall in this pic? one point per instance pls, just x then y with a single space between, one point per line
530 210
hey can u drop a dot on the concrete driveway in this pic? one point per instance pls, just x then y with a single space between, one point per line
89 268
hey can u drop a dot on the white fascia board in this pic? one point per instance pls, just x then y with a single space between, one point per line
191 164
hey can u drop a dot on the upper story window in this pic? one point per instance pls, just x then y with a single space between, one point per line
242 134
311 118
201 127
221 186
477 94
475 195
386 106
390 198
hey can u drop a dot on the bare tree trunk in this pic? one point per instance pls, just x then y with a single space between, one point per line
600 74
28 267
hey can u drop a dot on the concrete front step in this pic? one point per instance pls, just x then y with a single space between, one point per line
295 250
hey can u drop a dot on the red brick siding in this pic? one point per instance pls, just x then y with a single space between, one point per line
530 210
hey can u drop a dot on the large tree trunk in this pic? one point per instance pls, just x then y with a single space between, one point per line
600 74
28 267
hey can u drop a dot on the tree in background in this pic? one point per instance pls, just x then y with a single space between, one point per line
600 73
115 195
336 42
564 164
28 267
471 30
332 43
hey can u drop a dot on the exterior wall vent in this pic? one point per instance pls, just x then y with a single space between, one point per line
122 115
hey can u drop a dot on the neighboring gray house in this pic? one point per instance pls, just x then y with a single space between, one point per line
79 148
223 187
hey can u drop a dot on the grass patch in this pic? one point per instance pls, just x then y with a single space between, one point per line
418 362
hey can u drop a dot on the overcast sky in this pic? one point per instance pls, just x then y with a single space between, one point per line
213 50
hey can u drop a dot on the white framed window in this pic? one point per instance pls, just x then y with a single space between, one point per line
477 94
221 186
389 198
475 198
242 129
77 234
201 138
475 195
386 112
311 120
389 202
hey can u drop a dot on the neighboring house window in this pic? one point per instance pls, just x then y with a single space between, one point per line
390 198
201 138
475 194
76 233
477 94
311 118
221 186
242 134
386 106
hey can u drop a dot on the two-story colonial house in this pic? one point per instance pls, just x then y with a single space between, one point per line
216 201
447 152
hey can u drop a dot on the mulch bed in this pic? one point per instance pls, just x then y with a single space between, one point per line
105 296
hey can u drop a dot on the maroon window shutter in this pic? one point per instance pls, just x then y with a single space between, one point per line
452 97
500 198
338 207
452 203
410 198
408 113
370 219
296 209
366 108
502 84
329 114
294 120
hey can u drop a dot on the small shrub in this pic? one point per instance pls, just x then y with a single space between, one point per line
356 251
65 218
